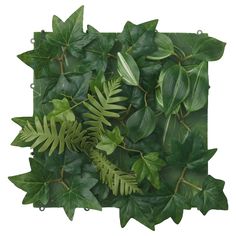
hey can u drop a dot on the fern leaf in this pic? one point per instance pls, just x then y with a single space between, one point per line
117 180
47 136
103 107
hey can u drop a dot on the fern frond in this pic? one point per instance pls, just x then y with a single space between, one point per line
47 136
103 107
117 180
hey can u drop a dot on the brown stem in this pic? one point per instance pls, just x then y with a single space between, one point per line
180 179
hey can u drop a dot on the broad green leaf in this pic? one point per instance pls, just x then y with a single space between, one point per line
35 183
41 59
148 167
97 82
164 45
175 88
208 49
170 205
77 195
69 34
110 140
199 86
128 69
22 121
192 153
137 207
61 111
141 124
138 40
211 196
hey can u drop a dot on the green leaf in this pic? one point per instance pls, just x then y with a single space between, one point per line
211 196
62 111
128 69
110 140
138 40
171 205
165 47
141 124
35 183
97 82
22 121
118 181
192 153
208 49
69 34
175 88
137 207
76 195
148 167
199 86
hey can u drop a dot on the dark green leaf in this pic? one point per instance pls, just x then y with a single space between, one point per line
136 207
35 183
148 167
165 47
76 195
141 124
211 196
208 49
97 82
175 88
198 94
69 34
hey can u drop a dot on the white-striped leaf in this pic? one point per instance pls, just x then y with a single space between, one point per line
128 69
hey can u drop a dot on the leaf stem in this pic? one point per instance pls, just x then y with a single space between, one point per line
180 179
185 125
191 184
131 150
145 94
166 129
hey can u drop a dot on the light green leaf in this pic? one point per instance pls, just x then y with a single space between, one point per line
208 49
165 47
211 196
128 69
199 86
110 140
148 167
62 111
141 124
175 88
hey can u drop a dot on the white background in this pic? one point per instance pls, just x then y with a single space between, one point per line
20 18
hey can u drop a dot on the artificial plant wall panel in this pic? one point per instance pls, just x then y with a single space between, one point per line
120 120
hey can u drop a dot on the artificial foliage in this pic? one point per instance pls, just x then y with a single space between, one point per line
120 120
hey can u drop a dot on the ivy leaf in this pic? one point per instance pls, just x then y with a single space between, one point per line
148 167
170 205
69 34
62 111
128 69
192 153
199 86
76 195
211 196
165 47
35 183
141 124
175 88
137 207
208 49
138 40
40 59
110 140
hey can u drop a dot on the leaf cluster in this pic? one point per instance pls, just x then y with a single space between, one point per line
120 119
